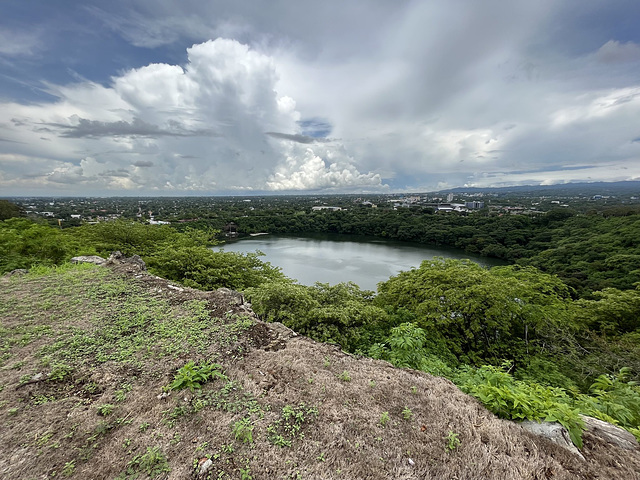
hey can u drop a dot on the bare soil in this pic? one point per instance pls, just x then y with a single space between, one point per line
107 341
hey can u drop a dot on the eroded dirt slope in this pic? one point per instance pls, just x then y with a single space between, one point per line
88 352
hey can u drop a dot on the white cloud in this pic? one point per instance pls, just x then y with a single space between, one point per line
406 93
201 127
305 170
14 42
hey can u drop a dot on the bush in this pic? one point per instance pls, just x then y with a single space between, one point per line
517 400
192 376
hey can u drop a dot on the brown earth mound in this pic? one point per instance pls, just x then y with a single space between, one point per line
87 350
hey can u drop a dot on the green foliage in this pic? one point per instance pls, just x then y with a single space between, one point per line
384 418
290 424
243 430
9 210
453 441
60 372
132 238
480 315
614 399
152 463
68 468
193 376
612 311
24 243
407 414
345 376
105 409
341 313
517 400
200 267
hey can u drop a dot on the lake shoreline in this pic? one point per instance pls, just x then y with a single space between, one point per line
336 258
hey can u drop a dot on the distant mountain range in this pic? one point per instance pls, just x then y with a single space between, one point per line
595 188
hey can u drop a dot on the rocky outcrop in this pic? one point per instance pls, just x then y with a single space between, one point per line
610 433
552 431
131 264
95 259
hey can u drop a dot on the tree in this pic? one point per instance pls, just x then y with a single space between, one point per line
483 315
9 210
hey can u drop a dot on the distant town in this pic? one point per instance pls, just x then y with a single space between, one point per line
73 211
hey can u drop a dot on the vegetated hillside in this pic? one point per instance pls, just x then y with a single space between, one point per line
108 372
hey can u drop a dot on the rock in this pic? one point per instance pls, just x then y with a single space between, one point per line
118 258
95 259
205 465
552 431
235 298
18 271
610 433
163 395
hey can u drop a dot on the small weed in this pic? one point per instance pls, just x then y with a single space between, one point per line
144 426
91 387
177 438
42 399
407 413
227 448
321 457
384 418
326 362
414 389
60 372
289 426
310 380
44 439
243 430
105 409
453 441
69 468
153 463
279 440
344 376
202 447
126 443
245 473
121 394
372 383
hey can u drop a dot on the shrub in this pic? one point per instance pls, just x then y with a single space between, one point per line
192 376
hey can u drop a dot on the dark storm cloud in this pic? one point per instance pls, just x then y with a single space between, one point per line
295 137
143 163
136 128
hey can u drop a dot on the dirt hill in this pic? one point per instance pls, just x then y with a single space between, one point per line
89 356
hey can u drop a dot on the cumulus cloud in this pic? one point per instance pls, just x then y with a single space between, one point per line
337 95
203 126
305 170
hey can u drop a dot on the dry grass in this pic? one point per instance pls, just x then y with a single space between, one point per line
373 421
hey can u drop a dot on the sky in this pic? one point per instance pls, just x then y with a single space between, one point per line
218 97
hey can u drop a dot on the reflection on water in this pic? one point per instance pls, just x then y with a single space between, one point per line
338 258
